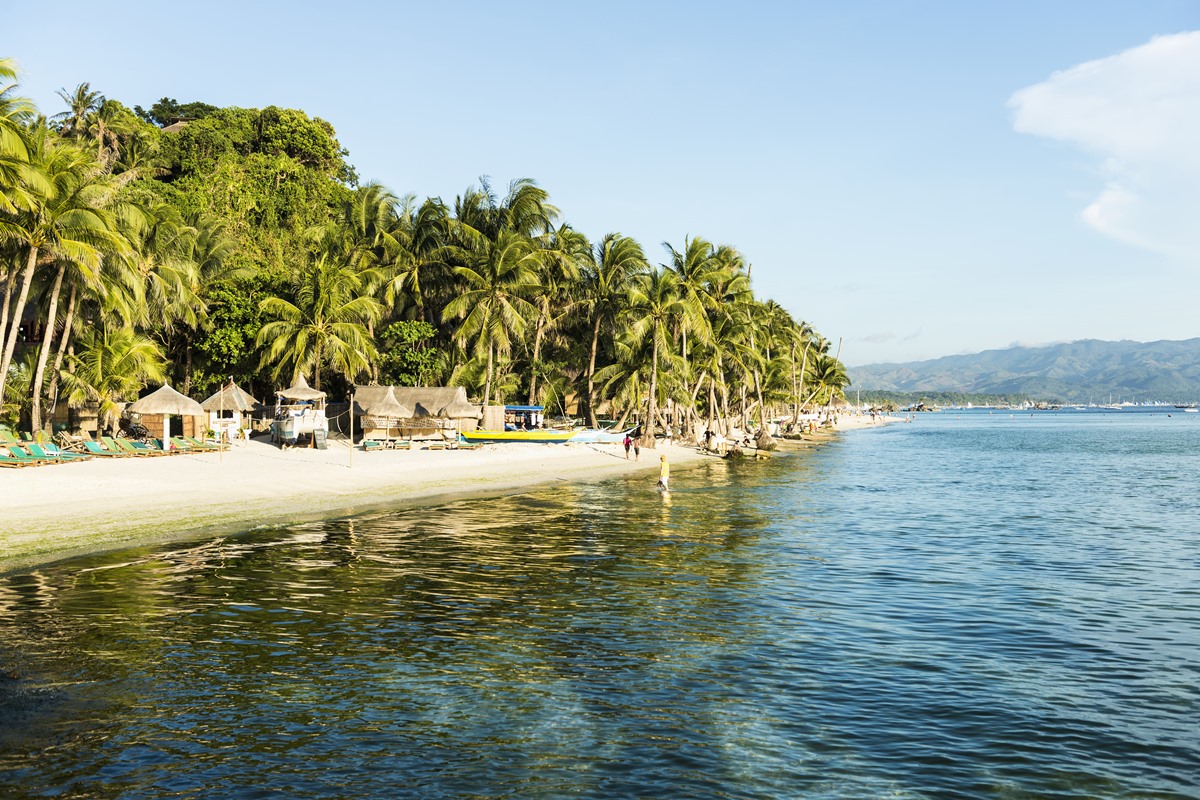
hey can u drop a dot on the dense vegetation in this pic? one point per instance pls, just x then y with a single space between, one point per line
242 245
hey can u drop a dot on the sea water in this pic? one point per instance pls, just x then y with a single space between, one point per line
997 605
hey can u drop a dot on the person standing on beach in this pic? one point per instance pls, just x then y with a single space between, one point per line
628 443
637 447
664 473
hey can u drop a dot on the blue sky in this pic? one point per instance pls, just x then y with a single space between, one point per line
916 179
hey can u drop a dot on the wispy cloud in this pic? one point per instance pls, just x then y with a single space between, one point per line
1138 113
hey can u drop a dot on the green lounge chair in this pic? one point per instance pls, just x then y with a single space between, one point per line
199 445
54 458
66 455
23 456
142 448
8 461
9 436
122 445
96 449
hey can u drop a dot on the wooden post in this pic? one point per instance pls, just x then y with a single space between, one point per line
351 430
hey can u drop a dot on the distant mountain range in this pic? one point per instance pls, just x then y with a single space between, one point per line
1085 371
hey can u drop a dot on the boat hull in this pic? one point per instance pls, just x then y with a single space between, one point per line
537 437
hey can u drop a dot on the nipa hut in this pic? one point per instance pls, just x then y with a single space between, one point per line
156 409
229 410
383 419
436 411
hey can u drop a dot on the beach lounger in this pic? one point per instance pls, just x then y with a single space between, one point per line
97 449
190 446
202 445
142 447
123 445
57 457
23 456
55 450
9 436
8 461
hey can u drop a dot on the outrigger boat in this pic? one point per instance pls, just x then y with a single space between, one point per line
543 436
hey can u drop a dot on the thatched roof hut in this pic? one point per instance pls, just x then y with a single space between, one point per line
443 402
163 403
230 397
165 400
301 391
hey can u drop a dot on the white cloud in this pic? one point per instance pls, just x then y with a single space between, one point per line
1138 112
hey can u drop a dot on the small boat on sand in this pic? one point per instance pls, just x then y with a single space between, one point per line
538 436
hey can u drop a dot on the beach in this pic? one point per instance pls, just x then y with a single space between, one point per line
63 510
59 511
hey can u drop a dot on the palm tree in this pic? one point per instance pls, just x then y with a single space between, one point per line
65 224
82 106
558 274
111 365
424 252
327 323
657 307
607 282
492 304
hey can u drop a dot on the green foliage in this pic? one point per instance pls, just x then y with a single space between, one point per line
405 358
167 110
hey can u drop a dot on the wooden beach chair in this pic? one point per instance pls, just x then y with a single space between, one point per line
199 445
56 457
55 450
8 461
96 449
20 454
131 447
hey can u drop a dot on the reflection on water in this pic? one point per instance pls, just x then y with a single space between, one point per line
807 627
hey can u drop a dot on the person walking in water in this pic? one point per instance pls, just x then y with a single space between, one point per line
664 473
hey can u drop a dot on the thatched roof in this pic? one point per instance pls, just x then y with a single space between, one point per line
166 400
230 398
301 391
388 407
447 402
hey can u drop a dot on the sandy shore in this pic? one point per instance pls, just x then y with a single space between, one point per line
63 510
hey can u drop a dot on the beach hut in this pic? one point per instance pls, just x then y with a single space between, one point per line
299 410
159 406
229 410
383 418
436 410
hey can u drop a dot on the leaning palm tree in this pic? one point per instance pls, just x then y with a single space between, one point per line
65 223
326 325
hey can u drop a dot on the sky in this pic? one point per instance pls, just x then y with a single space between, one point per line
912 178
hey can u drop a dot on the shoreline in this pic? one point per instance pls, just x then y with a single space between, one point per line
62 511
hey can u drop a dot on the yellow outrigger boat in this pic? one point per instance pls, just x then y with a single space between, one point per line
544 436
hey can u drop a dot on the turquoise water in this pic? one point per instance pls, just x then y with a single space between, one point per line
972 605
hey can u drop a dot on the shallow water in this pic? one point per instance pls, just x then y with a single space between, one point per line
969 606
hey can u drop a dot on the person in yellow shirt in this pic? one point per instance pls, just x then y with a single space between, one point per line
664 473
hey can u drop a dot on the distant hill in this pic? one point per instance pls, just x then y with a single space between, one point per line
1088 370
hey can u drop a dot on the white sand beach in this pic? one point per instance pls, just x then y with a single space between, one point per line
58 511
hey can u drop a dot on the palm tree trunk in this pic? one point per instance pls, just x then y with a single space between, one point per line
68 324
11 345
487 384
591 382
44 351
652 405
537 352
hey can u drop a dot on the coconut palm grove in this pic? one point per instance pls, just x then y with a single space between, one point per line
190 244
